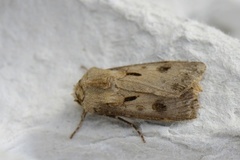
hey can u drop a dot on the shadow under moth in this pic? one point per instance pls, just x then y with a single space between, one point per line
163 91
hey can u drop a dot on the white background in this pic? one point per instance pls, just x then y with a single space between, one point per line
43 45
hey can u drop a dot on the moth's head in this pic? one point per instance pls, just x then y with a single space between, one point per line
78 93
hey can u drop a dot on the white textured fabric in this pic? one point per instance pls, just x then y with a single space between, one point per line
43 45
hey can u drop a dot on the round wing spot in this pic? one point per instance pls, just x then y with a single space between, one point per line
140 108
159 106
164 68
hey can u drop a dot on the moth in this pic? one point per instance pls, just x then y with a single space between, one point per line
164 91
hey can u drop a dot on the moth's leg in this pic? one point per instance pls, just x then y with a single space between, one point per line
84 113
131 124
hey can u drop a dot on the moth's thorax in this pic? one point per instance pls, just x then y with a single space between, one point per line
96 88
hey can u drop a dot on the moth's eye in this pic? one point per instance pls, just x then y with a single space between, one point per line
79 94
133 74
131 98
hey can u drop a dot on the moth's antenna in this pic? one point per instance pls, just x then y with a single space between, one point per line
84 113
84 68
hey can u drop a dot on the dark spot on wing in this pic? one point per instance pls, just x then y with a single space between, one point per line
140 108
185 78
164 68
159 106
131 98
177 87
133 74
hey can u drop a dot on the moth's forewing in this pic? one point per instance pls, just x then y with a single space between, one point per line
168 78
152 107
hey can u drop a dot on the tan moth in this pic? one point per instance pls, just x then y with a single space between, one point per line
162 91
